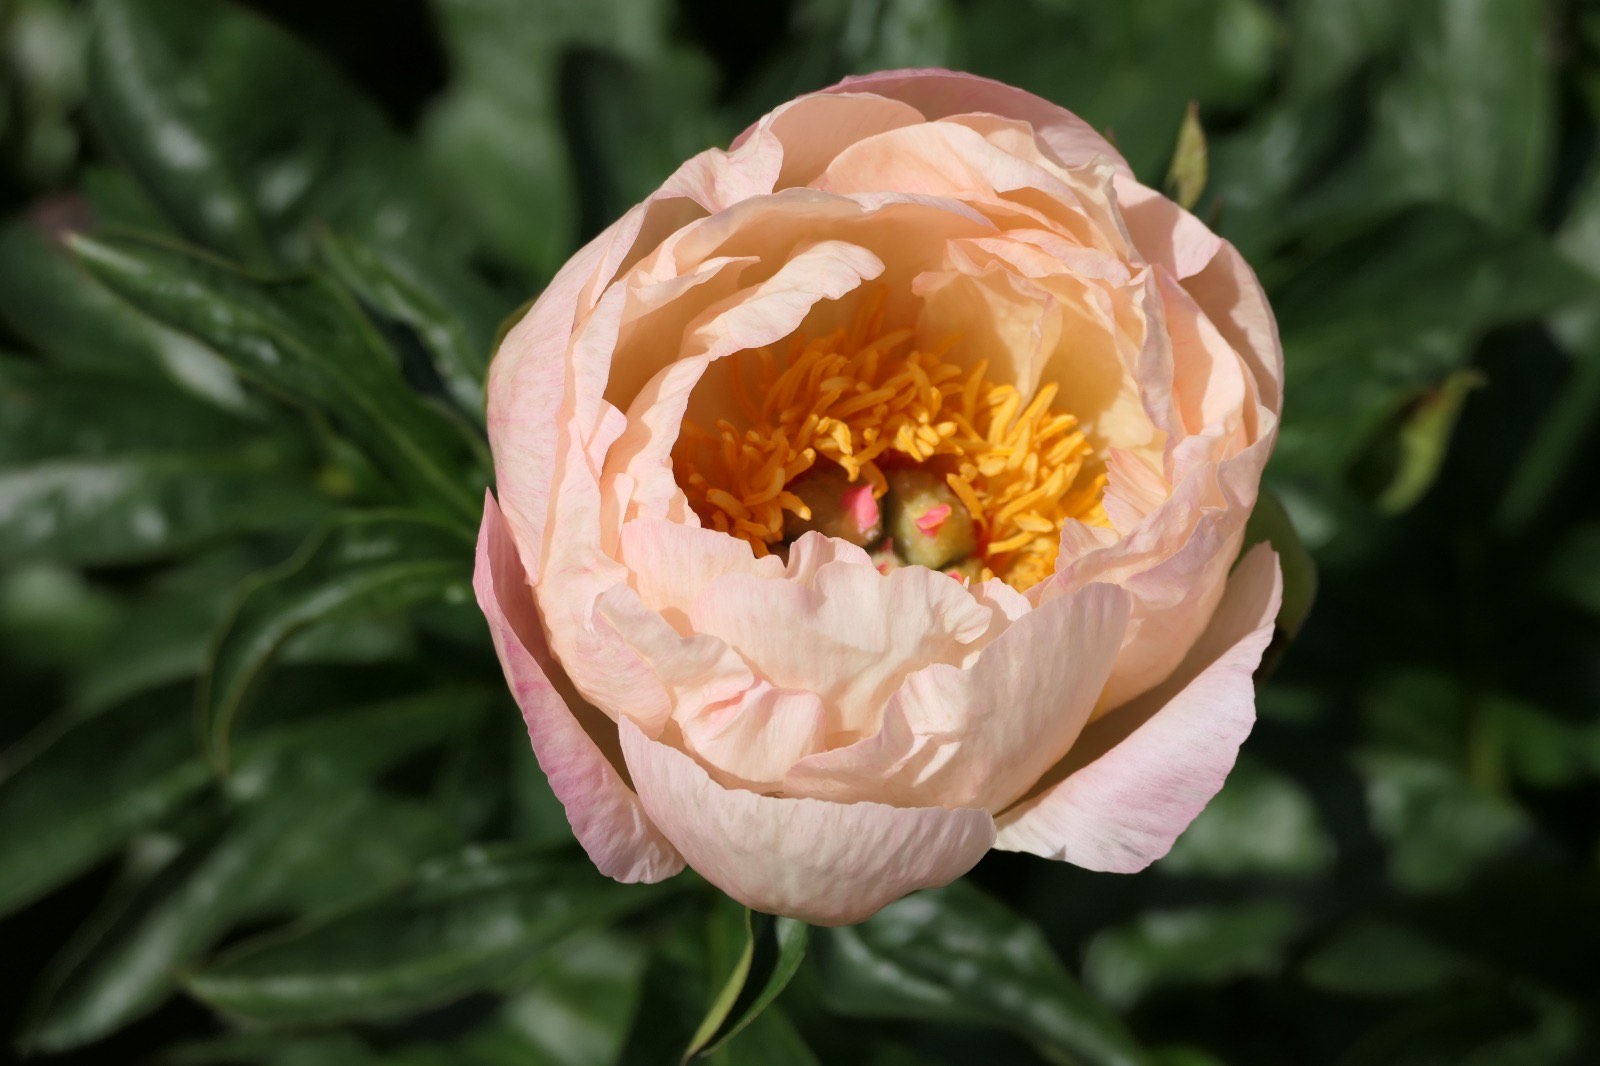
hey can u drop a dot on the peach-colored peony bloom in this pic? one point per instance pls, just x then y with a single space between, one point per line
918 320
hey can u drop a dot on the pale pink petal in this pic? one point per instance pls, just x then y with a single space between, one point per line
981 736
1137 778
814 129
851 634
1164 233
696 670
606 815
752 740
1228 292
1210 384
1174 563
716 180
671 563
1134 489
526 390
825 863
940 93
813 551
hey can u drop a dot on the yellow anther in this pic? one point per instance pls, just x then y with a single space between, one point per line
862 396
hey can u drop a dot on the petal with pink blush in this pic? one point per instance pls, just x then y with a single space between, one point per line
606 815
1228 292
980 736
825 863
752 740
526 389
1137 778
813 551
671 562
939 93
850 634
696 671
1164 233
814 129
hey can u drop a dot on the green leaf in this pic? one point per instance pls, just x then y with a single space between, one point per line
247 140
1470 120
1128 69
142 507
461 925
48 412
314 838
1376 958
1199 945
1554 458
303 339
1261 822
631 124
53 617
769 1040
1438 827
361 740
1498 1024
43 53
494 138
772 951
576 1010
1186 175
1353 353
365 566
1269 522
1329 42
84 793
162 634
51 302
1401 464
956 955
454 314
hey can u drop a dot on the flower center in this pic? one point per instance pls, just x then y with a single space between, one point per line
863 410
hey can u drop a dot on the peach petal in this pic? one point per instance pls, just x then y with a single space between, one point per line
606 815
813 551
1164 233
850 634
752 740
525 393
982 735
825 863
814 129
1137 778
696 671
671 563
941 93
1228 292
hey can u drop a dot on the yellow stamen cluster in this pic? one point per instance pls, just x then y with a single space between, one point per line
864 398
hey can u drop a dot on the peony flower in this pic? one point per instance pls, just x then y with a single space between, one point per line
873 494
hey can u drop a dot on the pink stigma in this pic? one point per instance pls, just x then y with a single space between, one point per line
932 520
862 507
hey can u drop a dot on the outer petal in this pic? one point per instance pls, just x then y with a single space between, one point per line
606 815
1138 777
939 93
1230 295
827 863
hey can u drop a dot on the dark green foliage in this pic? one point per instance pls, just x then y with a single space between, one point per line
263 796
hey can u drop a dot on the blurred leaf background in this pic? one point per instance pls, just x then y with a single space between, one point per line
263 797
